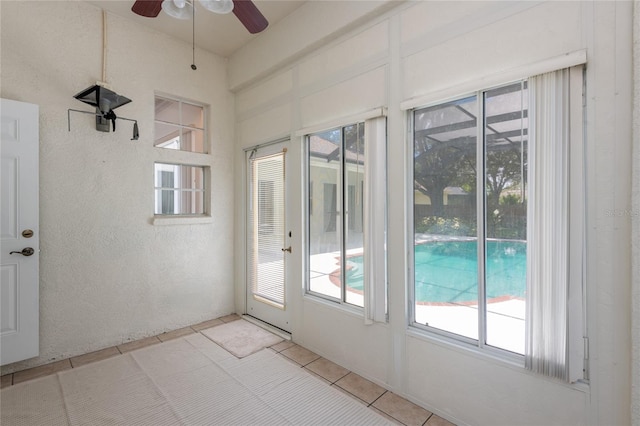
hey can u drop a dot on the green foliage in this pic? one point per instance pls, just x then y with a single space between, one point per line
445 226
510 200
508 220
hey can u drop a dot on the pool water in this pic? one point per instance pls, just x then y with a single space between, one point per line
447 271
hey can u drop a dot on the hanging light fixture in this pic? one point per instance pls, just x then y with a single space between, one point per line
193 40
218 6
245 10
183 9
180 9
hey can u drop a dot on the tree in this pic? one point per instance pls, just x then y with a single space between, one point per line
504 170
438 165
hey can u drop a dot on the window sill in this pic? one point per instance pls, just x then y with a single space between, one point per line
494 357
181 220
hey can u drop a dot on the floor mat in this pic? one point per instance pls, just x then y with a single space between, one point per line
241 338
190 381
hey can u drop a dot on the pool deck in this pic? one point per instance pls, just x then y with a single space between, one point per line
505 317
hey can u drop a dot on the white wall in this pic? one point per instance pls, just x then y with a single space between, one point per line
635 208
107 274
313 25
424 47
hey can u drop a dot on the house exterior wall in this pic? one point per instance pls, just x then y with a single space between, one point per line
426 47
107 274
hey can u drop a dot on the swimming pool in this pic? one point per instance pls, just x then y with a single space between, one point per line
447 271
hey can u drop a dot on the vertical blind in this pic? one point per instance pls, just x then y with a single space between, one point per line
266 228
554 322
375 220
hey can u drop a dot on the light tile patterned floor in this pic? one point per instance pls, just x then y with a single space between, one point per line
387 404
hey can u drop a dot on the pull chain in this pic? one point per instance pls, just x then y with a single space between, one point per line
193 37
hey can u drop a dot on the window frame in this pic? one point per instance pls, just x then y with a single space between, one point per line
375 211
477 345
422 330
340 219
184 158
205 192
575 257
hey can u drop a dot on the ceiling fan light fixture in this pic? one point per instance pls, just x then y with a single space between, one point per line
179 9
218 6
245 10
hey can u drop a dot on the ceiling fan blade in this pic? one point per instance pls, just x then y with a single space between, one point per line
250 16
147 8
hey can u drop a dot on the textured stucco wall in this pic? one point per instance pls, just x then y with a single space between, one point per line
107 274
635 235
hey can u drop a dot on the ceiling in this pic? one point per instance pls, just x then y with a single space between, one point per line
219 34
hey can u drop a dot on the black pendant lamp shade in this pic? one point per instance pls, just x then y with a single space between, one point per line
102 98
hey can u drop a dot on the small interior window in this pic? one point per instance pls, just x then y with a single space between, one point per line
179 125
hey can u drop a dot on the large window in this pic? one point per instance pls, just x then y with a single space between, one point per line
498 199
179 125
336 174
470 216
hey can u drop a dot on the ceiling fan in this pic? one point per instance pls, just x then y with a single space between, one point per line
246 12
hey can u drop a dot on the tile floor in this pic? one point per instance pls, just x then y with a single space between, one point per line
393 407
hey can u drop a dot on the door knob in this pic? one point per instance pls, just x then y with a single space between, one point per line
27 251
287 249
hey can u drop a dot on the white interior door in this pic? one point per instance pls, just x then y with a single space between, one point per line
19 300
268 238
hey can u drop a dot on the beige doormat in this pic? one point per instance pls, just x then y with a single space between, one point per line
241 338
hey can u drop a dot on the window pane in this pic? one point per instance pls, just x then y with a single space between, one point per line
354 184
167 110
445 256
336 220
167 136
506 207
266 230
324 223
179 125
330 201
165 201
192 177
191 202
192 116
179 189
266 212
192 140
